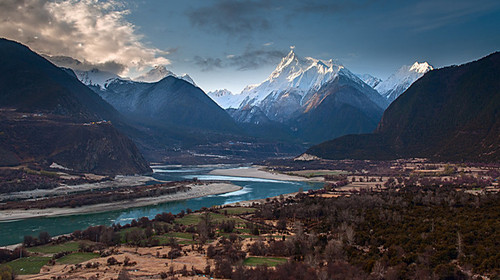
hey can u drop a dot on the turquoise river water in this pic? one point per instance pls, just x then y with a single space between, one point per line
13 232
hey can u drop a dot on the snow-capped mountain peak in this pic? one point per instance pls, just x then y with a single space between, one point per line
95 77
154 75
400 81
421 68
160 72
220 93
225 98
293 73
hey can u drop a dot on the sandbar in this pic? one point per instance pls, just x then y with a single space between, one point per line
258 172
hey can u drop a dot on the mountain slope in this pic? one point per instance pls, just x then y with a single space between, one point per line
31 83
370 80
337 109
54 99
398 82
449 114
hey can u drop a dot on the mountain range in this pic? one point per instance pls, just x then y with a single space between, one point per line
449 114
303 99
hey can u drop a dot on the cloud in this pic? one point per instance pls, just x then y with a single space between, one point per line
330 7
232 16
95 32
75 64
243 17
208 64
428 15
250 59
254 59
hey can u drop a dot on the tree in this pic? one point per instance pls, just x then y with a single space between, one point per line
124 275
223 268
29 241
44 237
205 228
281 225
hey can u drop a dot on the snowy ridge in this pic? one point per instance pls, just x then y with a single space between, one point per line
159 72
187 78
369 79
225 98
95 77
154 75
400 81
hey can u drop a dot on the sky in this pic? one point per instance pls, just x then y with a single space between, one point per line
233 43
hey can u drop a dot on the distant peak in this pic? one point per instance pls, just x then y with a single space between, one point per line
421 68
157 73
291 54
161 69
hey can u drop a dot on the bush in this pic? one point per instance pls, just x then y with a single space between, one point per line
6 273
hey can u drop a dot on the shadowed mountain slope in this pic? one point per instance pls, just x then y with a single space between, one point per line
66 121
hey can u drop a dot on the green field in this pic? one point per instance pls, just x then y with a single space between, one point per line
238 210
77 258
194 219
270 261
182 238
183 235
29 265
53 249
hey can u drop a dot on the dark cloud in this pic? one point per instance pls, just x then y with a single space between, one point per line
208 64
232 17
75 64
241 17
330 7
251 59
254 59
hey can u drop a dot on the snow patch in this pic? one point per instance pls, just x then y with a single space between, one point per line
58 166
306 157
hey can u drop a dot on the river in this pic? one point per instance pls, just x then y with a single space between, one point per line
13 232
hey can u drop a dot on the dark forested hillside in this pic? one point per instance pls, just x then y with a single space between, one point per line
48 115
449 114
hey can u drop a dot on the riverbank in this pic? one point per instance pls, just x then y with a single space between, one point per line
195 192
117 182
259 172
